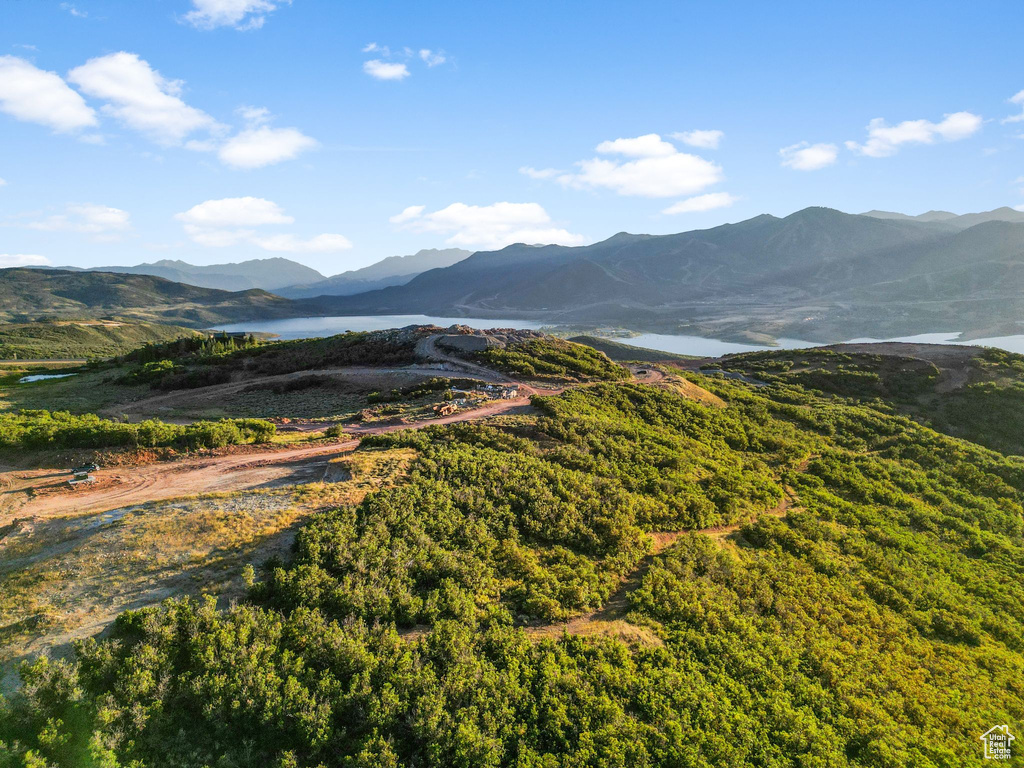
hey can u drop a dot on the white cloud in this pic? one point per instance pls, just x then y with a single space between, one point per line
22 260
140 97
488 226
432 58
649 145
240 14
254 115
660 170
87 218
1017 98
885 140
3 182
235 212
540 173
808 157
385 70
702 203
408 214
326 243
1018 207
233 221
257 147
74 11
702 139
33 95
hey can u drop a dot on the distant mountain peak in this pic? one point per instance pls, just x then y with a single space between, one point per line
960 221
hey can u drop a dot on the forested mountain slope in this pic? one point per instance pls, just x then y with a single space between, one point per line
394 270
843 587
29 294
815 274
265 274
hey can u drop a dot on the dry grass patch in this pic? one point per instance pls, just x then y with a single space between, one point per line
349 479
615 629
68 577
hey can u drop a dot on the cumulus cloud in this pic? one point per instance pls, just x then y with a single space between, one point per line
140 97
22 260
257 147
235 212
702 203
808 157
34 95
258 144
394 64
408 214
701 139
659 170
649 145
76 12
88 218
540 173
240 14
432 58
885 140
235 220
488 227
385 70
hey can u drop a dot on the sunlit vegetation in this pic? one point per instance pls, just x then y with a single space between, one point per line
877 623
551 357
850 375
617 350
81 339
42 429
982 401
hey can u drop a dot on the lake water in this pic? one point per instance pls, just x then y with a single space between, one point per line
306 327
43 377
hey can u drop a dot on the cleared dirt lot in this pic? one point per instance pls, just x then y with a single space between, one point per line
44 492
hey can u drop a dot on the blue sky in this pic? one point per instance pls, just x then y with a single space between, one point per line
218 130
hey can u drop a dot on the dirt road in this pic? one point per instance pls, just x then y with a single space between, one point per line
372 377
43 493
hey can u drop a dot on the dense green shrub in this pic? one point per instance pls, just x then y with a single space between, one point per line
60 429
551 356
878 624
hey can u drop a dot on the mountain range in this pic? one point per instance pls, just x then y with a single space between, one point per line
818 274
289 278
264 274
394 270
954 220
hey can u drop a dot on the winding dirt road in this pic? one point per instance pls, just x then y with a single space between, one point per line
43 493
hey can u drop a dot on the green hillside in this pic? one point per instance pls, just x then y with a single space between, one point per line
616 350
624 578
81 339
32 294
